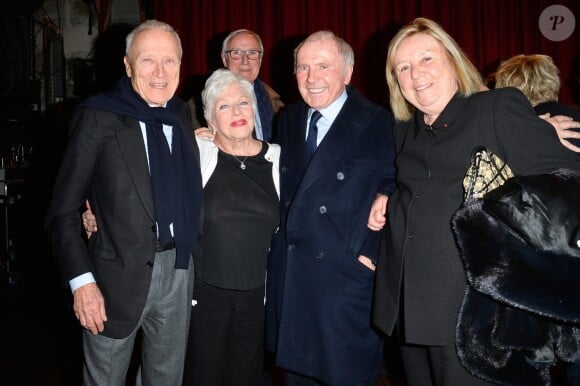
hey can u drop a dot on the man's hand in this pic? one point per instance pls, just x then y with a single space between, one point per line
89 308
366 262
377 216
89 220
565 129
205 132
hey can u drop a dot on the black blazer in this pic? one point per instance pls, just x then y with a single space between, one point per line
106 161
422 267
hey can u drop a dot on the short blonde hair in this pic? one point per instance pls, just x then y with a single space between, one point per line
534 75
468 78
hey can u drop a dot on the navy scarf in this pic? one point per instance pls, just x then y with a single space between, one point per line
175 174
265 109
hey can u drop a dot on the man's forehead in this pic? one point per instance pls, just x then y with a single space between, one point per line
158 41
243 37
153 34
319 53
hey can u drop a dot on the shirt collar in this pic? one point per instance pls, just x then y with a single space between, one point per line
331 112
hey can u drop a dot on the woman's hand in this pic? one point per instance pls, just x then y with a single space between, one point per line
377 216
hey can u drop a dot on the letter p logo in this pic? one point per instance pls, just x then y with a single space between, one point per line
557 23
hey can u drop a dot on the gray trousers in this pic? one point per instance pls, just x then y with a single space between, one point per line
164 324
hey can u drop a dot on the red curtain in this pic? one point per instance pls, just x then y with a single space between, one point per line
489 31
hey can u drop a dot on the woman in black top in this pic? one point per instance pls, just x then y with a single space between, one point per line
442 114
241 213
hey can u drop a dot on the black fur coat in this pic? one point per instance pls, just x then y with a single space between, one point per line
520 246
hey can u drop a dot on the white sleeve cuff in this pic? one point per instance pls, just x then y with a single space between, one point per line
81 280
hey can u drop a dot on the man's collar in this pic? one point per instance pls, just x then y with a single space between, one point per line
331 112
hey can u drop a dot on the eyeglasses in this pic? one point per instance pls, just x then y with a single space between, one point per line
250 54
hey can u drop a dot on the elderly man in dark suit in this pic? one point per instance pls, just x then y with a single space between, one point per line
337 154
131 154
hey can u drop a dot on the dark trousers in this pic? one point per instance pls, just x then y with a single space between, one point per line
436 366
293 379
226 340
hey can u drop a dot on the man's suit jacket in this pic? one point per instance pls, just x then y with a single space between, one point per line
422 267
106 161
318 293
269 103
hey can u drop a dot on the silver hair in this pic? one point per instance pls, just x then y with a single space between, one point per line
231 35
343 47
151 24
215 85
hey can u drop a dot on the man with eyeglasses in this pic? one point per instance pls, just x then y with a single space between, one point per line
242 52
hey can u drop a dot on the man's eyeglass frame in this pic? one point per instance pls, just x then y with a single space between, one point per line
239 54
